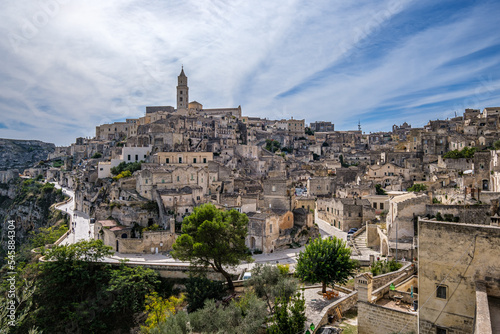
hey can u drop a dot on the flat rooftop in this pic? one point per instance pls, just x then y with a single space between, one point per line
392 304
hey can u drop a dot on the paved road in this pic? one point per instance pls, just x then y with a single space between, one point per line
327 230
79 221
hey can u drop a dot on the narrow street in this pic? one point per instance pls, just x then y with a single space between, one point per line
79 221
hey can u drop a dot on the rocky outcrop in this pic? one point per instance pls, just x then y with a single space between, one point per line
22 154
27 203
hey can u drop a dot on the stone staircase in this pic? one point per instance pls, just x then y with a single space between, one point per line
359 242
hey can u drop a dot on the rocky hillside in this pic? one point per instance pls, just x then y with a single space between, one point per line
22 154
27 202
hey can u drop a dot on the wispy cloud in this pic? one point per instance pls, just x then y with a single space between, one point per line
68 66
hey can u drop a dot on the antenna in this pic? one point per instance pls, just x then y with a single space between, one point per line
359 125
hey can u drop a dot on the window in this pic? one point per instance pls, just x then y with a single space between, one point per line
162 181
440 330
187 210
192 178
129 157
178 178
441 292
181 92
327 209
180 99
180 160
381 206
194 160
136 157
167 161
374 205
270 228
204 160
146 181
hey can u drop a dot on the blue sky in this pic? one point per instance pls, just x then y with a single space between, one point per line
68 66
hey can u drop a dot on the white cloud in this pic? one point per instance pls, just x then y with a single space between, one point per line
76 65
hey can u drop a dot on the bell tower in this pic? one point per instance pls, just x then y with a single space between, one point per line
182 91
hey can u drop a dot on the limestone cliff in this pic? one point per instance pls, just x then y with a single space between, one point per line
22 154
27 202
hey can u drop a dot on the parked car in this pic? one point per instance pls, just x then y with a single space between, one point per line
352 230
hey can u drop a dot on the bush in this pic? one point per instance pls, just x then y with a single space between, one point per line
123 174
384 267
123 166
467 152
417 187
97 155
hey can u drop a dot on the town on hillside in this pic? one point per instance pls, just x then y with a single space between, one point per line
425 198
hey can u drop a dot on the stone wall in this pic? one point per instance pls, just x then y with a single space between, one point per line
381 280
456 257
150 242
374 319
471 214
345 303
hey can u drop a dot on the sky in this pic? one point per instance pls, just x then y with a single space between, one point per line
68 66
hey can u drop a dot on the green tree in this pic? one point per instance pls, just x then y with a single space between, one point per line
158 309
379 190
467 152
272 145
97 155
244 316
76 292
199 289
327 261
215 238
416 187
496 144
289 315
123 166
269 283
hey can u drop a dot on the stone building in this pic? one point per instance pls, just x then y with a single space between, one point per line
277 229
345 213
277 194
126 241
322 126
459 278
321 186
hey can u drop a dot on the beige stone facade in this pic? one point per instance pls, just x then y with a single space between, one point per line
454 260
183 158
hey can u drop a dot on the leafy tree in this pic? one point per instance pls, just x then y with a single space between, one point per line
245 316
75 292
47 235
159 309
215 238
327 261
289 316
417 187
272 145
97 155
496 145
308 131
467 152
379 190
123 166
199 289
269 283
